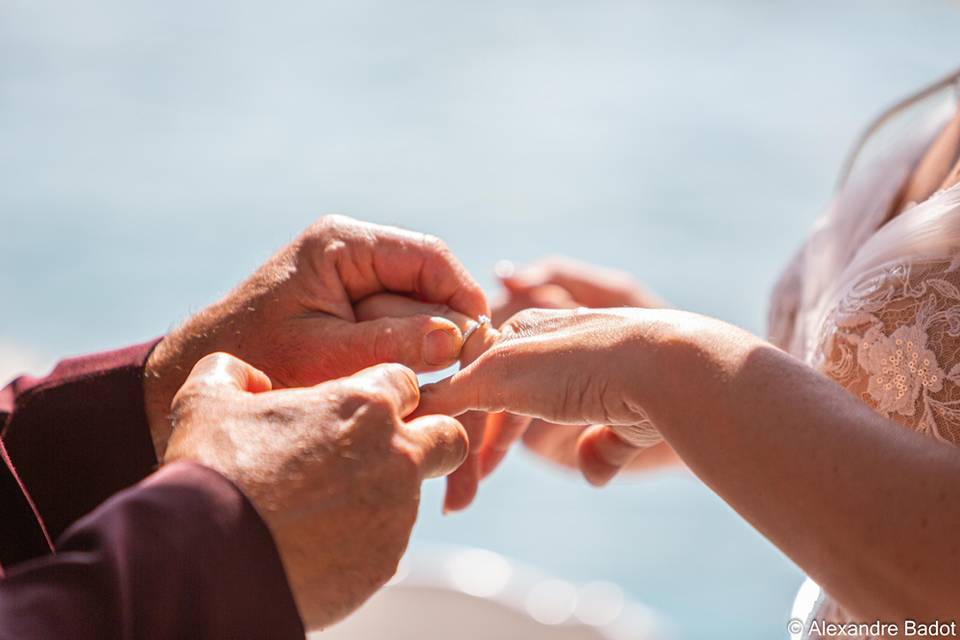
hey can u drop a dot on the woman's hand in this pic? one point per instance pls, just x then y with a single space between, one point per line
572 367
564 283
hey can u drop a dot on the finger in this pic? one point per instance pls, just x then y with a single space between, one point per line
392 305
545 297
225 370
421 342
393 382
507 304
374 258
442 443
601 454
552 296
451 396
588 284
478 342
555 442
462 483
503 429
387 305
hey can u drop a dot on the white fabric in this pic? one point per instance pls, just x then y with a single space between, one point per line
877 306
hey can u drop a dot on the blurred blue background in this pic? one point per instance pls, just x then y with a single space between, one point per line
153 154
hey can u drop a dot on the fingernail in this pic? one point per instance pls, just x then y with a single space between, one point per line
440 346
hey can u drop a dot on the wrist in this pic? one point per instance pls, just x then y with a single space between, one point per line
666 352
164 373
690 364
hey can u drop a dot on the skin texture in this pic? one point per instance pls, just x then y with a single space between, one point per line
858 502
294 318
463 483
333 469
598 452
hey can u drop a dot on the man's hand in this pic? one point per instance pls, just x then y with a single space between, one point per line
332 469
294 318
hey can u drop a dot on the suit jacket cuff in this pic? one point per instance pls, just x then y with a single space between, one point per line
183 554
79 434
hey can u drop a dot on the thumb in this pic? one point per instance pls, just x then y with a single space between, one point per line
225 370
602 451
601 454
452 396
441 442
421 342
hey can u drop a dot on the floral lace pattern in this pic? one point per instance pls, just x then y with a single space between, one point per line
894 341
899 366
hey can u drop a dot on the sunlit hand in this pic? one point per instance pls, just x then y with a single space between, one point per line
294 317
564 283
333 469
462 484
575 367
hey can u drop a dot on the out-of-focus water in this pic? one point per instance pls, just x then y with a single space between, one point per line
153 154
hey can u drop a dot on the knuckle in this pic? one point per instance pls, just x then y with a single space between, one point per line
188 403
351 396
369 409
524 319
400 374
384 342
325 237
405 460
392 377
434 244
453 440
211 360
188 396
379 404
331 222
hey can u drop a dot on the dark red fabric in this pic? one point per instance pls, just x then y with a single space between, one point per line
22 534
80 434
182 555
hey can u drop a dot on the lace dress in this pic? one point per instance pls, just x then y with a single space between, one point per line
876 306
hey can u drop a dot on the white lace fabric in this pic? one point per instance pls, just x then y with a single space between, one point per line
894 342
876 306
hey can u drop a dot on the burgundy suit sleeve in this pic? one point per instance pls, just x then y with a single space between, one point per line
80 434
181 555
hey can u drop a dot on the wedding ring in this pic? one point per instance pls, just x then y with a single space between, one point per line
474 325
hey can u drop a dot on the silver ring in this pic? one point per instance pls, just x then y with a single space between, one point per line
474 325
